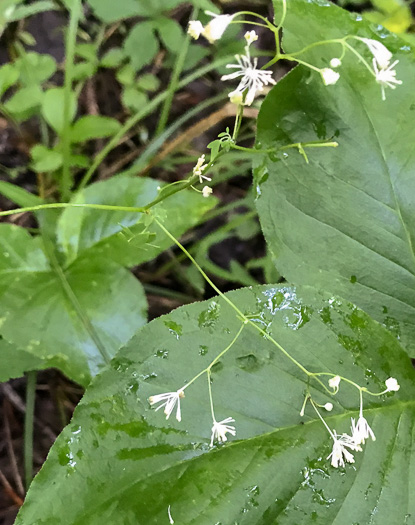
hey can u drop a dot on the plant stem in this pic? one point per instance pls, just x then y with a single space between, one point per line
132 121
66 180
28 426
241 316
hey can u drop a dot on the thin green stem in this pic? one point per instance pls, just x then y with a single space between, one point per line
243 318
322 419
209 367
227 348
284 14
359 56
174 79
56 205
147 110
302 62
238 121
28 426
340 41
315 144
66 180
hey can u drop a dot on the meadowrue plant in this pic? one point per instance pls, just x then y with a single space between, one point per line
252 406
253 80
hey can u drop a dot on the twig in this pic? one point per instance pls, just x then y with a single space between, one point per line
8 489
9 444
229 110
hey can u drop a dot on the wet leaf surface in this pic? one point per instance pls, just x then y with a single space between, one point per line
123 462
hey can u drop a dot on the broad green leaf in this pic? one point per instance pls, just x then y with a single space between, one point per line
53 108
88 232
38 315
105 9
45 159
15 362
345 222
93 127
122 462
141 45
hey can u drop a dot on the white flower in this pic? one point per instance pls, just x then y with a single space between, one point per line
206 191
195 29
328 407
334 382
169 401
386 77
216 27
329 76
381 54
335 62
198 169
250 36
219 430
392 385
340 452
361 430
252 79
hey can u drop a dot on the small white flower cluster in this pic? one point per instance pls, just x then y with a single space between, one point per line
360 430
170 400
383 70
198 171
252 80
213 30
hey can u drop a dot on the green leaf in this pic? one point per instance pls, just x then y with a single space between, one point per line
84 70
170 32
94 127
113 58
19 195
134 99
345 222
8 76
29 10
24 103
35 68
87 51
39 317
148 82
45 159
141 45
134 465
53 108
15 362
126 75
395 15
88 233
104 9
